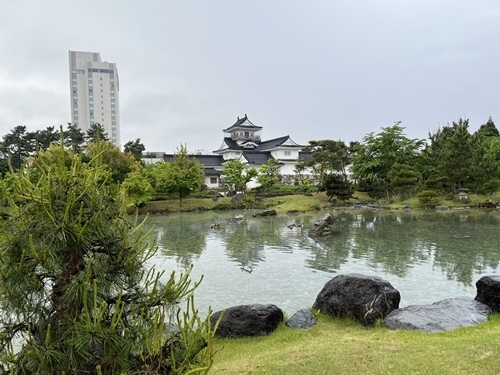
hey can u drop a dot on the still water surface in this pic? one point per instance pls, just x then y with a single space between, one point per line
427 256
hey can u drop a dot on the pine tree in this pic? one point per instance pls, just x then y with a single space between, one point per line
75 294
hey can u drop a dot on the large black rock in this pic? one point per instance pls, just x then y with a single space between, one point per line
359 297
488 291
443 315
247 320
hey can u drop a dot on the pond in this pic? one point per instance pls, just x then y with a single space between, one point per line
427 256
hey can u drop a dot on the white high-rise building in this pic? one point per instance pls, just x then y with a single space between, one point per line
94 89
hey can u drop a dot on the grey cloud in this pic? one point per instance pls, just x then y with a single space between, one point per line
313 70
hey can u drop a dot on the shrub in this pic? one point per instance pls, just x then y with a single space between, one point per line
428 198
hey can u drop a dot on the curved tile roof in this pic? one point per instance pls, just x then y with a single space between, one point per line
243 123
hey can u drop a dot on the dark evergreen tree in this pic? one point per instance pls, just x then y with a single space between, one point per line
451 153
337 186
136 148
484 166
74 138
44 138
327 157
96 133
16 147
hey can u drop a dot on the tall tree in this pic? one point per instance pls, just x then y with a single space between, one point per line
75 286
74 138
484 165
136 148
451 153
185 174
327 157
377 153
16 146
44 138
96 133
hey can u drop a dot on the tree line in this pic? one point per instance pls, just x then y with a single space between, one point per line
389 164
384 164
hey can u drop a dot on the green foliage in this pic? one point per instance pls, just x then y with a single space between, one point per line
451 153
429 198
138 189
96 133
16 147
44 138
157 175
376 155
491 186
375 187
184 176
403 177
74 138
485 167
235 175
268 174
136 148
327 157
74 291
337 186
120 164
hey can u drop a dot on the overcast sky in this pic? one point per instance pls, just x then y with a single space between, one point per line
312 69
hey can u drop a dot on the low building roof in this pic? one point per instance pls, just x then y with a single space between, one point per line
205 160
259 158
211 172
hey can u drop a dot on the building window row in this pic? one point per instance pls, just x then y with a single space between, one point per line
94 70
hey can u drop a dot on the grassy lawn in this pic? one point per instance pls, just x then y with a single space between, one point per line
281 204
285 203
340 346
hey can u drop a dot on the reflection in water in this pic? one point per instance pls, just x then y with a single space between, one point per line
418 250
182 239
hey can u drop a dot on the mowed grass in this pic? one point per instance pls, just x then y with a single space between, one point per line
340 346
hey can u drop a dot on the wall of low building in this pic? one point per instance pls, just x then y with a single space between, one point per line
151 160
210 184
291 154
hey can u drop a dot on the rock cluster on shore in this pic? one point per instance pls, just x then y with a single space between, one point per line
365 299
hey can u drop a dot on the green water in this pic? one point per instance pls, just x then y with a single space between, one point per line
427 256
